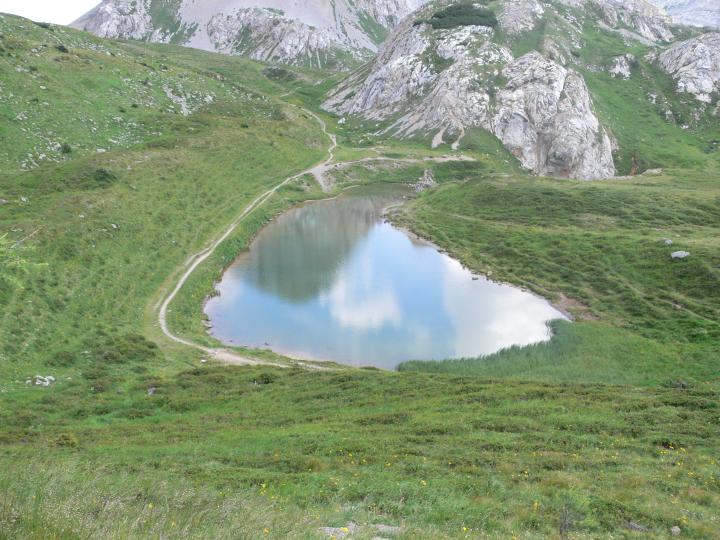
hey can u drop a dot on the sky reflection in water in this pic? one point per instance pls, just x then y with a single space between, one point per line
331 281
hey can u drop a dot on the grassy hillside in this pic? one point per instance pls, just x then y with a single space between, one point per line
227 453
598 249
609 431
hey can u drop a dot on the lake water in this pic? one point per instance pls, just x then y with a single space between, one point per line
332 281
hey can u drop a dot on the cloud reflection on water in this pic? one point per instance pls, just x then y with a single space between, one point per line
332 281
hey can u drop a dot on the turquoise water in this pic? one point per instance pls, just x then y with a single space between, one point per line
332 281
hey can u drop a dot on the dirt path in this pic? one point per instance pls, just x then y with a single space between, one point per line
319 172
227 356
224 355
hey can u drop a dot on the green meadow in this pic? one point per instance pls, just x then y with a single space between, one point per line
610 430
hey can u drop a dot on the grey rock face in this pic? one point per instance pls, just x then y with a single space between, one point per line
695 65
637 19
120 18
703 13
265 35
545 118
442 82
645 19
299 32
622 66
520 15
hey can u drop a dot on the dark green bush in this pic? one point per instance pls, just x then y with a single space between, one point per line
277 73
67 440
62 359
461 15
125 349
265 378
104 177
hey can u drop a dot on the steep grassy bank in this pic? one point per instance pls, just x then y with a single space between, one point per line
112 226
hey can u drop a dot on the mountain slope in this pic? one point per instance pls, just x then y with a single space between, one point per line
521 69
299 32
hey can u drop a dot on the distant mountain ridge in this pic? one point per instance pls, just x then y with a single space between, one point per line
692 12
312 33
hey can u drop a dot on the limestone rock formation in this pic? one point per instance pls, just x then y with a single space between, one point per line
704 13
622 66
297 32
695 65
441 82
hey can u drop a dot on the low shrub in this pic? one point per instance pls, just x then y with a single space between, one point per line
125 349
461 15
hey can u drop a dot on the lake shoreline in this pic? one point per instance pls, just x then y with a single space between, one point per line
292 260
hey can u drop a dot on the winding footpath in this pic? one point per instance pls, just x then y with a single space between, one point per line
227 356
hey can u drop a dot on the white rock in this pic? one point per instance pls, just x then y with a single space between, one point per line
40 380
695 65
680 255
518 16
622 66
339 532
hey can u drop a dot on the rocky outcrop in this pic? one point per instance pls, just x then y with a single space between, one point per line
643 18
636 19
520 15
265 35
703 13
298 32
621 67
122 18
439 83
695 65
544 117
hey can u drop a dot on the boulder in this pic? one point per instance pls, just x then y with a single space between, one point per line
680 255
622 66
